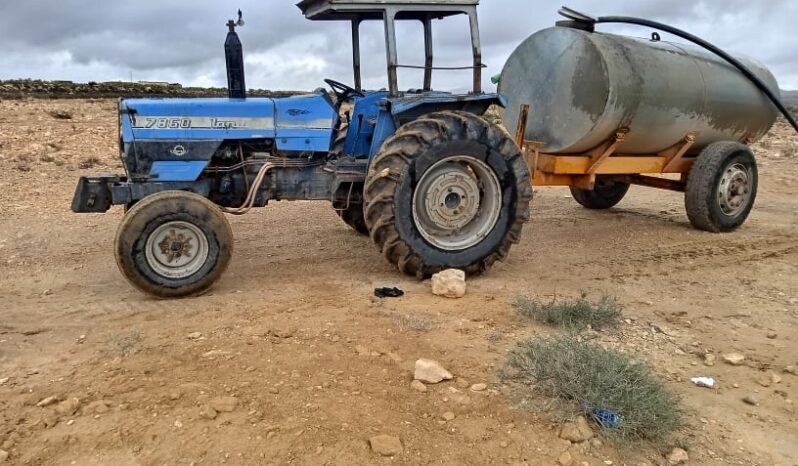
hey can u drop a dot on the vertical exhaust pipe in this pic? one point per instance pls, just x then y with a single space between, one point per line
234 58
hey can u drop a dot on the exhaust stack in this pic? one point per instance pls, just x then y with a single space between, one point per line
234 58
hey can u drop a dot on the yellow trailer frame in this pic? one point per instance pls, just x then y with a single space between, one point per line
581 170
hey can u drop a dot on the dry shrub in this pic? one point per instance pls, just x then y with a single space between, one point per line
575 314
578 375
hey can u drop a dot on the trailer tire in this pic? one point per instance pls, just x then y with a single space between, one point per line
411 181
605 195
147 242
721 187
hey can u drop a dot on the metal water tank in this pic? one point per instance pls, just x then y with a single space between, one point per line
583 86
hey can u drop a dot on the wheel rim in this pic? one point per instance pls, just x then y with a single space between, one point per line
176 249
734 190
456 203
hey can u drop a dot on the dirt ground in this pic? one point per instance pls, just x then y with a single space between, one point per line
318 366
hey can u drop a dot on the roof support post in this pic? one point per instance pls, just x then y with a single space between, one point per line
390 48
477 49
428 58
356 53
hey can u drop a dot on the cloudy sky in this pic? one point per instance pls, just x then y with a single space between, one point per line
181 40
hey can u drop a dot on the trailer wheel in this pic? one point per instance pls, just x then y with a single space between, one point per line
606 194
721 187
449 190
173 244
353 216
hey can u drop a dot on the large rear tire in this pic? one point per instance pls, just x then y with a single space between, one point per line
448 190
173 244
605 195
721 187
353 216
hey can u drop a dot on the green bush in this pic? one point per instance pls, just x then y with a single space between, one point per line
577 374
574 314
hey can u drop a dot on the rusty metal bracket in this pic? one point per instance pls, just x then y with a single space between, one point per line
601 153
521 130
673 155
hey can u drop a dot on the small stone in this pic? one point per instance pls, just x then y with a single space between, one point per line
772 335
3 455
578 431
194 336
179 424
448 416
479 387
224 404
207 412
386 445
68 407
565 459
430 371
735 359
764 381
789 370
709 359
749 399
450 283
47 401
4 380
775 378
418 386
678 456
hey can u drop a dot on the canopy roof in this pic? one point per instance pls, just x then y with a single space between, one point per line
346 10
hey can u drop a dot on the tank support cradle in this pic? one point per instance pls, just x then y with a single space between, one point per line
580 170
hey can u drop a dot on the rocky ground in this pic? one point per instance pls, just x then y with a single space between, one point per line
291 360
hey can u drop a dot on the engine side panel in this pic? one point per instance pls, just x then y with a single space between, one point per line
305 123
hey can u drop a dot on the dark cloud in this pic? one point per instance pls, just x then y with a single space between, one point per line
177 40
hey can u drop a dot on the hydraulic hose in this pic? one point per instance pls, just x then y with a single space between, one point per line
583 18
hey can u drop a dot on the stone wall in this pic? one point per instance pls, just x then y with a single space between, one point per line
25 88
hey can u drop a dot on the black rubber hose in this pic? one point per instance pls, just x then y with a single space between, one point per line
717 51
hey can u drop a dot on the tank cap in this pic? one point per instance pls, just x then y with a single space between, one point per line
577 20
580 25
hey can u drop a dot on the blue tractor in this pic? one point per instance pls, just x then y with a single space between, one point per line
432 182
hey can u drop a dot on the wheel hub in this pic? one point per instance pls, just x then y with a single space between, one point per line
457 202
734 190
176 249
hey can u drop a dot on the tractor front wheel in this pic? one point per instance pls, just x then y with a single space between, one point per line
173 244
448 190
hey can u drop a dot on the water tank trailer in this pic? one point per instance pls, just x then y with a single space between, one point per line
598 112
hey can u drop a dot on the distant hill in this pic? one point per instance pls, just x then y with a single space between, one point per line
790 97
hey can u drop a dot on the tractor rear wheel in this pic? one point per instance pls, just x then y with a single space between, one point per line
352 215
448 190
721 187
173 244
606 194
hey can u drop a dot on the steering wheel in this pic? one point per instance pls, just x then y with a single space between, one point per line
342 91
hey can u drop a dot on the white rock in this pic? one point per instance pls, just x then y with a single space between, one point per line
578 431
194 336
4 380
450 283
565 459
47 401
479 387
3 455
430 371
735 359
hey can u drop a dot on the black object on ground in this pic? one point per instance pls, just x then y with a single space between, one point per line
388 292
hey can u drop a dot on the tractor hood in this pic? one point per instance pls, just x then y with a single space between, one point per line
299 123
